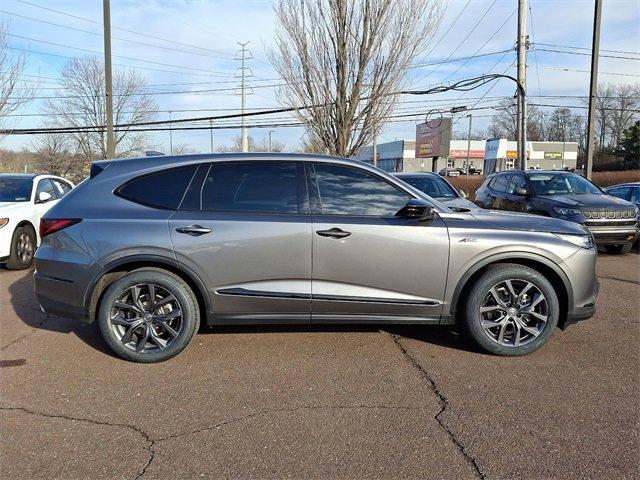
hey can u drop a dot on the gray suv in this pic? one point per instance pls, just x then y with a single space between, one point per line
150 247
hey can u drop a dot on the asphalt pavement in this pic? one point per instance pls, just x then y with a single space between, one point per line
322 402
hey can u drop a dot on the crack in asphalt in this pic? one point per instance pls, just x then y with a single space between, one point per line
145 435
151 443
34 328
611 277
444 405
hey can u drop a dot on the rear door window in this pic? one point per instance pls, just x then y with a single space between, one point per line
517 181
259 187
163 189
62 188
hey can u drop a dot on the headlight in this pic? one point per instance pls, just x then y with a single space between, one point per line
566 211
583 241
3 222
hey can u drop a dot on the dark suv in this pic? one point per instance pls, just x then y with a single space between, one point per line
566 195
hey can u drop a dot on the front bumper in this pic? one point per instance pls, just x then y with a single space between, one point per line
613 231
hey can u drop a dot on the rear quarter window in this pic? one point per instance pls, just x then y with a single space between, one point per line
163 189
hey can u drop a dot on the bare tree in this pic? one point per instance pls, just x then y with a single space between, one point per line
504 121
80 102
15 90
559 125
254 146
347 59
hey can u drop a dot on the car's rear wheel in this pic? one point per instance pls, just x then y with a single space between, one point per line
511 310
618 249
148 316
23 247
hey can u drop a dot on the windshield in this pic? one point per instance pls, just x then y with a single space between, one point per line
15 189
562 184
432 186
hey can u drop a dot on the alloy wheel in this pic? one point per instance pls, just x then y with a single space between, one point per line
24 248
146 318
514 312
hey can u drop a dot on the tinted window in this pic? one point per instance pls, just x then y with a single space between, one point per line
15 189
561 184
517 181
433 186
62 188
264 187
350 191
163 189
501 183
621 192
46 186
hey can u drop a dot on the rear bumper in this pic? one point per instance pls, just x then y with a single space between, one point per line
56 296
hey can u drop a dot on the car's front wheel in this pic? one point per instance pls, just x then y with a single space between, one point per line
511 310
148 316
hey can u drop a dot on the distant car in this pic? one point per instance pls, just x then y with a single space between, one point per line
437 187
23 200
565 195
473 170
626 191
448 172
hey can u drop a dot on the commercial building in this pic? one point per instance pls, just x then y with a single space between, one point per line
400 155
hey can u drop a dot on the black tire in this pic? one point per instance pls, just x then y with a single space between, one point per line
517 275
185 301
618 249
22 253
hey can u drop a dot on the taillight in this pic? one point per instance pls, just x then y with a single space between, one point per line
52 225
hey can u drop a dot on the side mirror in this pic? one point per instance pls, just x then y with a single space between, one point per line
521 191
417 209
43 197
462 193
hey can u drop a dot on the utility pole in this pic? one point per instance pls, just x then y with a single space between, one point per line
211 134
244 55
468 144
270 132
170 135
106 13
522 84
593 88
374 162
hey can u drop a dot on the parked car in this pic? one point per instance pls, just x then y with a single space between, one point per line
473 170
626 191
24 199
437 187
566 195
449 172
150 247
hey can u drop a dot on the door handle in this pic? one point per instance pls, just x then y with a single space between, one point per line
333 233
193 230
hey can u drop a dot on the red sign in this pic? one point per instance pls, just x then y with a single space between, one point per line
463 154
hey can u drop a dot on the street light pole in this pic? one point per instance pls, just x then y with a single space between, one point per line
211 134
468 144
170 135
270 132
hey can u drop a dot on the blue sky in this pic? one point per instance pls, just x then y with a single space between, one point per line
218 25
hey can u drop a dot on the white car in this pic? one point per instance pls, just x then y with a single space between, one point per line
24 198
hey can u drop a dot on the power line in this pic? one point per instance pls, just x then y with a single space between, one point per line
163 47
123 29
464 39
562 69
71 47
588 48
621 57
448 29
120 65
482 46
